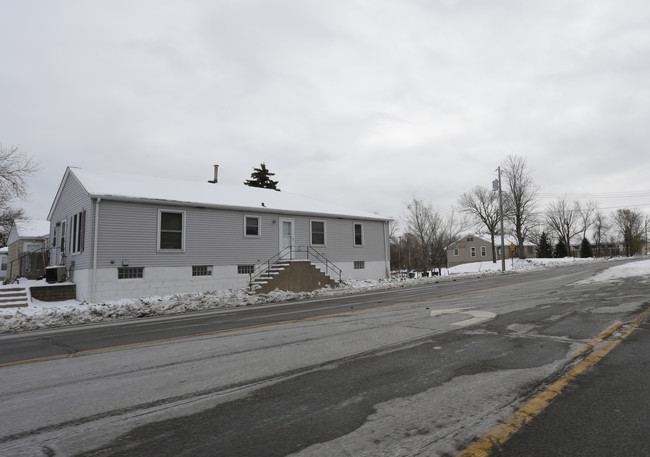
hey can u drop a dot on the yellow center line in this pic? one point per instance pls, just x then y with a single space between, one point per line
482 447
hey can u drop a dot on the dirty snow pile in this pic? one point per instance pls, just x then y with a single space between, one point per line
41 314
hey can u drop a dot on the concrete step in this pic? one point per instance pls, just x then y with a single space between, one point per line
13 297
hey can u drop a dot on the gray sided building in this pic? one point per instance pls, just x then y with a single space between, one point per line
125 236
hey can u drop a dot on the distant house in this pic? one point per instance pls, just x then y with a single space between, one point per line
478 248
124 236
27 249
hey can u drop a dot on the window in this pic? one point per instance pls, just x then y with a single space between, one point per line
359 265
77 232
473 252
201 270
483 251
171 230
245 269
62 243
470 238
318 233
4 263
456 252
130 272
358 234
252 226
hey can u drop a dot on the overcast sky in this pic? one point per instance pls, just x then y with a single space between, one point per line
364 103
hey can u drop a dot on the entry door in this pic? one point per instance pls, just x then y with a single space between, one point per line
286 235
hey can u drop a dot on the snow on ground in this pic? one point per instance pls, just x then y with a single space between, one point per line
41 314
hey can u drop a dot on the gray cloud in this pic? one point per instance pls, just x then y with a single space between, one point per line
374 102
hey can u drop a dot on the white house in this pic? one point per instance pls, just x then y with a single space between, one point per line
121 235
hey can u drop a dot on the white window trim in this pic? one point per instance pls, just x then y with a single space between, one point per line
456 252
354 235
259 226
483 251
311 239
182 249
76 234
472 251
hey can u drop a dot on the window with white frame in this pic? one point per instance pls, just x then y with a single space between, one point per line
171 230
456 252
77 232
201 270
252 226
317 229
245 269
483 251
130 272
359 265
473 252
358 234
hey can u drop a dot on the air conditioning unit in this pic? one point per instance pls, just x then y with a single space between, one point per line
55 274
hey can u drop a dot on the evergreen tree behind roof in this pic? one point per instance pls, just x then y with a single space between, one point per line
261 177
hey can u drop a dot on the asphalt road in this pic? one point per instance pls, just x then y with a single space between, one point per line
416 371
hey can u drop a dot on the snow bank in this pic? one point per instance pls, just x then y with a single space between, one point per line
41 314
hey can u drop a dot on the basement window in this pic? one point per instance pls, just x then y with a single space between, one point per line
359 265
201 270
245 269
130 272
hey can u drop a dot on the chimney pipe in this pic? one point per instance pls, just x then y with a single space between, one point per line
216 175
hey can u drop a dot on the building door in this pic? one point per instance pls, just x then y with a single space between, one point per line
287 238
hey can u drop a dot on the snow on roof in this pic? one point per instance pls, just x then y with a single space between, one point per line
126 186
32 229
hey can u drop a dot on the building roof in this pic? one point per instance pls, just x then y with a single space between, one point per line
32 229
127 187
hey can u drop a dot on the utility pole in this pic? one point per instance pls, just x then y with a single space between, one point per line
496 185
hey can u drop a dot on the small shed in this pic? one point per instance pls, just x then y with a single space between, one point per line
27 249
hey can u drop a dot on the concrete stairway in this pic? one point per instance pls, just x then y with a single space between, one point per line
293 276
13 297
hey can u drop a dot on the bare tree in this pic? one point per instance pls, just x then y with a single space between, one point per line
630 226
7 217
519 198
587 216
601 228
419 222
15 168
446 231
482 205
564 218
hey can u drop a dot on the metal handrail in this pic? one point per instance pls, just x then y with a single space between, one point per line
24 269
265 267
328 264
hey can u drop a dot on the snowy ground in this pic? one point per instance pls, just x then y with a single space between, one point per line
41 314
